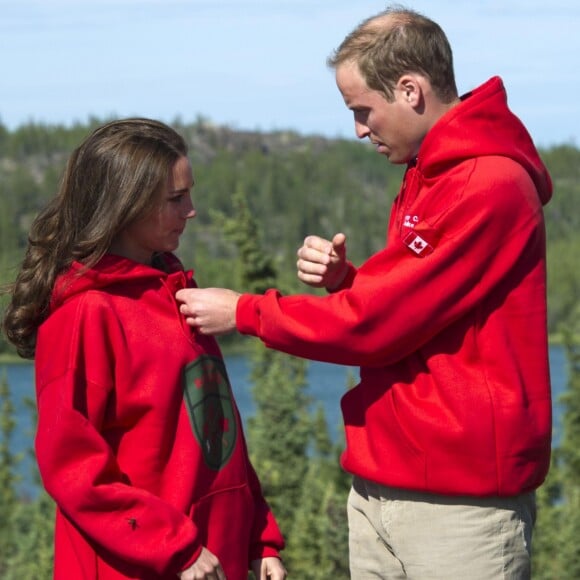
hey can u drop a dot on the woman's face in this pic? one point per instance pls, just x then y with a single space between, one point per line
160 230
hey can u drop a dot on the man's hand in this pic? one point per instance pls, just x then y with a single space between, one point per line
206 567
210 310
322 263
268 569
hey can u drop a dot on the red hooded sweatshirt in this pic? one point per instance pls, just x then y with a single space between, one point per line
447 322
139 438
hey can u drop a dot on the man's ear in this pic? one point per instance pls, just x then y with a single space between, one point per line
410 89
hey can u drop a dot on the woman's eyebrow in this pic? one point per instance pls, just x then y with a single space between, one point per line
182 189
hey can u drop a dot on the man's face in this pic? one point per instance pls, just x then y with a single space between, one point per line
394 128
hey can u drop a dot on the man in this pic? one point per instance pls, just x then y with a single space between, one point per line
448 431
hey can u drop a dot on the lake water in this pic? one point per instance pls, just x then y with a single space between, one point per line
326 384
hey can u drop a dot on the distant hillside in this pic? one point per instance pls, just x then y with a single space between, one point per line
296 185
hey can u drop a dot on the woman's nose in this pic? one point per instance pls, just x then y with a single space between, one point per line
190 210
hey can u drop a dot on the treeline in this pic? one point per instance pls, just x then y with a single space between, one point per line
257 196
295 185
296 459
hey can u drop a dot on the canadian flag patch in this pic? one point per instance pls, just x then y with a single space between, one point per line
418 245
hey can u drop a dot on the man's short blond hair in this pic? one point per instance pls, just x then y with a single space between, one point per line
395 42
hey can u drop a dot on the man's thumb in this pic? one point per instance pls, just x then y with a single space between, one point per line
339 243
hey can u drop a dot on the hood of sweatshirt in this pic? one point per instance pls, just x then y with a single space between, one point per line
119 275
482 124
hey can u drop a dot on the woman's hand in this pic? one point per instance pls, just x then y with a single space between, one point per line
268 569
206 567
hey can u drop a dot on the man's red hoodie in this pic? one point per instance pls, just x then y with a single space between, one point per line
139 438
447 322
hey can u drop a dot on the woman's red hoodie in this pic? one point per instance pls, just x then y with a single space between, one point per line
447 322
139 438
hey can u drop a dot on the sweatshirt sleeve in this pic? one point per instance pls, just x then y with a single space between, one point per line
74 371
484 241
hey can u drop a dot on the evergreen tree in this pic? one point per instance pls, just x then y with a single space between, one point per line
318 542
334 533
569 468
556 549
279 433
32 529
26 533
254 268
8 478
291 450
299 185
546 565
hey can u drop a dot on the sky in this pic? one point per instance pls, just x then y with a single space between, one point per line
261 64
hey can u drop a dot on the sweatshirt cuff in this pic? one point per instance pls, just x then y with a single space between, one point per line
262 552
247 314
185 565
348 279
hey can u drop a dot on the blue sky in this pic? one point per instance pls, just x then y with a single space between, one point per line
261 64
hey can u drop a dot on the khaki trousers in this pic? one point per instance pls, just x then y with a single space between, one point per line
396 534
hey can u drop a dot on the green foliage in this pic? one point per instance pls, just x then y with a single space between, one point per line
8 479
32 530
295 186
26 533
291 450
564 280
258 196
556 548
255 270
318 539
279 433
8 460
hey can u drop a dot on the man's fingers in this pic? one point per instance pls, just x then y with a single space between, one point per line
314 280
311 267
316 243
315 255
182 295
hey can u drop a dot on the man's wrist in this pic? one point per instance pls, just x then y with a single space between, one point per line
340 280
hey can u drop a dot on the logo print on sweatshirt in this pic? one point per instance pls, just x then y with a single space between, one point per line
208 398
417 244
410 221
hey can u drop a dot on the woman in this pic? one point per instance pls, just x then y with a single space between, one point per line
139 439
